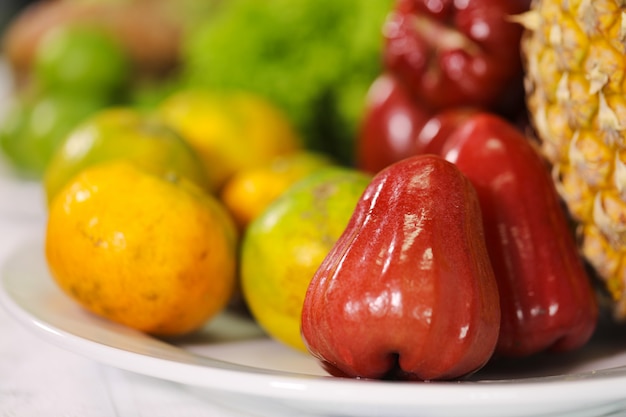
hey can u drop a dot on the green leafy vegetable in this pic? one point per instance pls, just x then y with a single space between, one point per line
314 58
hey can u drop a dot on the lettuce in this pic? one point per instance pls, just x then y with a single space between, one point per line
314 58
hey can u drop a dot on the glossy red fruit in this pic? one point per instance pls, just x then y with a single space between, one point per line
456 53
391 122
395 126
434 134
408 291
546 297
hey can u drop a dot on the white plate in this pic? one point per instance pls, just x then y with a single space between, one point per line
234 364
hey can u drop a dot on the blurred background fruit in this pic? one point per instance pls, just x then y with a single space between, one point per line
75 71
150 31
283 247
34 127
230 131
452 53
81 60
155 254
123 133
392 120
441 60
247 193
118 52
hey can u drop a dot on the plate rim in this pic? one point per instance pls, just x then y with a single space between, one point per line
592 387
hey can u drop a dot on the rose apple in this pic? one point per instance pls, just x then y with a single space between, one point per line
546 297
456 53
407 291
434 134
391 122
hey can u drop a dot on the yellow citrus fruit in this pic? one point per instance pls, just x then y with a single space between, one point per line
123 133
230 131
284 246
247 193
155 254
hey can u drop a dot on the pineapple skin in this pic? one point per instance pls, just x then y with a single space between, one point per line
574 54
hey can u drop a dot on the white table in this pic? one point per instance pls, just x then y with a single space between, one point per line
38 379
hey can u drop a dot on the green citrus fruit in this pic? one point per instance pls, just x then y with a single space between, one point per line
123 133
283 247
33 129
81 59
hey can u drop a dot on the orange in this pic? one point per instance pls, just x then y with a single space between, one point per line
230 131
154 254
247 193
123 133
284 246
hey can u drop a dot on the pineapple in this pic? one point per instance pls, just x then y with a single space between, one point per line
575 63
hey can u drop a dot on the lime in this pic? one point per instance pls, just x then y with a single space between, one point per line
34 128
82 60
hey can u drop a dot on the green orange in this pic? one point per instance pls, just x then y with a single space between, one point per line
82 59
284 246
123 133
34 127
